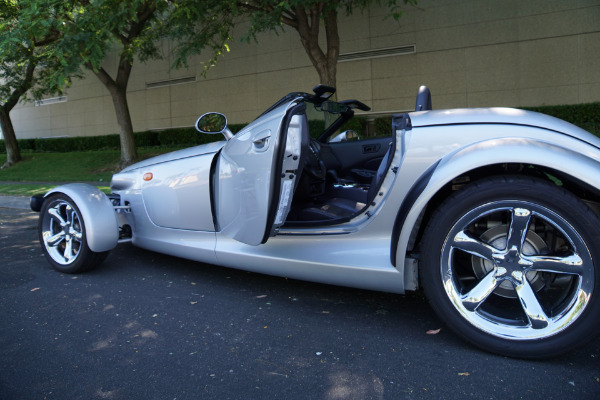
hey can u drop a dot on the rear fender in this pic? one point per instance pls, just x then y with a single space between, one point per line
98 213
497 151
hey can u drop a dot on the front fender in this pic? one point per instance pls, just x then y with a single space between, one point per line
100 219
583 165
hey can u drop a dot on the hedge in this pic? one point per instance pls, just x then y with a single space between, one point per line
586 116
166 138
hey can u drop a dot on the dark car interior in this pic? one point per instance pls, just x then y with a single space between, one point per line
342 170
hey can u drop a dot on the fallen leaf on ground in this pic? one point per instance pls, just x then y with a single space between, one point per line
433 331
464 374
262 296
34 289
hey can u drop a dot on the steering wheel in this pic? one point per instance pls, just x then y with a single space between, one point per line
315 167
314 173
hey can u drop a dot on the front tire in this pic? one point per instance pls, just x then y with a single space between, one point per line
62 234
511 265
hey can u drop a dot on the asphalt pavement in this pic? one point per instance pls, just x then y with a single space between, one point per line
148 326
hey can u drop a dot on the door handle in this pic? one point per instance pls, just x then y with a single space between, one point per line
261 140
370 148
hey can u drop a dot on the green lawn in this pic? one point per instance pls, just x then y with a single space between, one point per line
22 189
62 167
87 166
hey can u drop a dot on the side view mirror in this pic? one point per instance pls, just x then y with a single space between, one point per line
213 123
346 136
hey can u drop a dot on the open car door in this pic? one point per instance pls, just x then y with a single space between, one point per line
257 172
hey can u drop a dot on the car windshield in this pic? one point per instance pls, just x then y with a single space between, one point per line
322 117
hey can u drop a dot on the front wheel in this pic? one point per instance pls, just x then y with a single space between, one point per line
63 236
511 264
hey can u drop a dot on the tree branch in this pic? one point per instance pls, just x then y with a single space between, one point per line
104 76
52 37
286 17
22 88
315 19
289 19
144 13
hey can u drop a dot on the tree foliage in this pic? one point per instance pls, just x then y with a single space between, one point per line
29 31
307 17
45 43
138 27
84 32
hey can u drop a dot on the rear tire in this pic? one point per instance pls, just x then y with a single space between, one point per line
511 264
62 234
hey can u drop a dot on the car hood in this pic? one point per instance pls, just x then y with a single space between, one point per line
176 155
510 116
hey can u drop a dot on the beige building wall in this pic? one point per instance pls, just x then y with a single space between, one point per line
470 53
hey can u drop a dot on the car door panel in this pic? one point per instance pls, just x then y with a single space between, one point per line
257 171
363 154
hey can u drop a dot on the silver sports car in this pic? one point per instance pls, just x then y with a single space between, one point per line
494 212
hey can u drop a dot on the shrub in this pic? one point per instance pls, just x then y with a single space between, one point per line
79 143
235 128
146 139
383 126
178 137
356 124
586 116
316 127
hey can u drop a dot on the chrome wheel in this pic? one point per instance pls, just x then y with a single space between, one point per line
531 278
511 265
62 232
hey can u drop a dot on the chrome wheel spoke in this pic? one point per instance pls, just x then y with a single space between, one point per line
480 292
55 239
518 228
56 214
462 241
71 215
572 264
68 254
536 315
77 235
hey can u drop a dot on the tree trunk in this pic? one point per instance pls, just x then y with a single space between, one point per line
13 154
307 25
129 153
118 91
118 87
333 48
